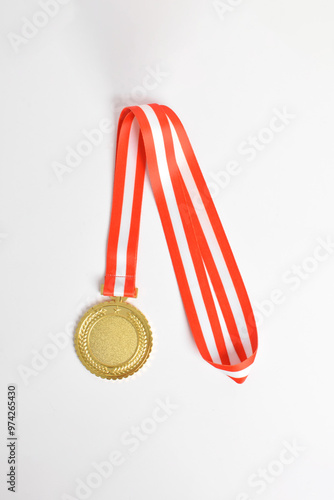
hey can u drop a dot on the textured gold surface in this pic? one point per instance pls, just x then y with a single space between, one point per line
113 339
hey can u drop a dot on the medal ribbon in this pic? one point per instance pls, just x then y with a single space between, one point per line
213 293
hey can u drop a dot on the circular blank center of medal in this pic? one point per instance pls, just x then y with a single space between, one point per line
113 340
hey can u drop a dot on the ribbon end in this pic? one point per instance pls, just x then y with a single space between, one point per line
239 380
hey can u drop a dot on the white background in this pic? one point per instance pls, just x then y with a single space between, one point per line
223 74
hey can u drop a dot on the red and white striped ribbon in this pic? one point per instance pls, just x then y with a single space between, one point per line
213 293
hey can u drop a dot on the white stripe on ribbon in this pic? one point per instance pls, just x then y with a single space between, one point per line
180 234
215 251
130 175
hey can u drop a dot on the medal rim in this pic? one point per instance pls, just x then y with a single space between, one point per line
132 364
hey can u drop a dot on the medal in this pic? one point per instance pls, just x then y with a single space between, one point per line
113 339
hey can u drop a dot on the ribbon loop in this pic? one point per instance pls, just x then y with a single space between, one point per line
213 293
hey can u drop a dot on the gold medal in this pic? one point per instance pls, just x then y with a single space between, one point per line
113 339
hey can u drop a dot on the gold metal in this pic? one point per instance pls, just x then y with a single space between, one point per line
113 339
